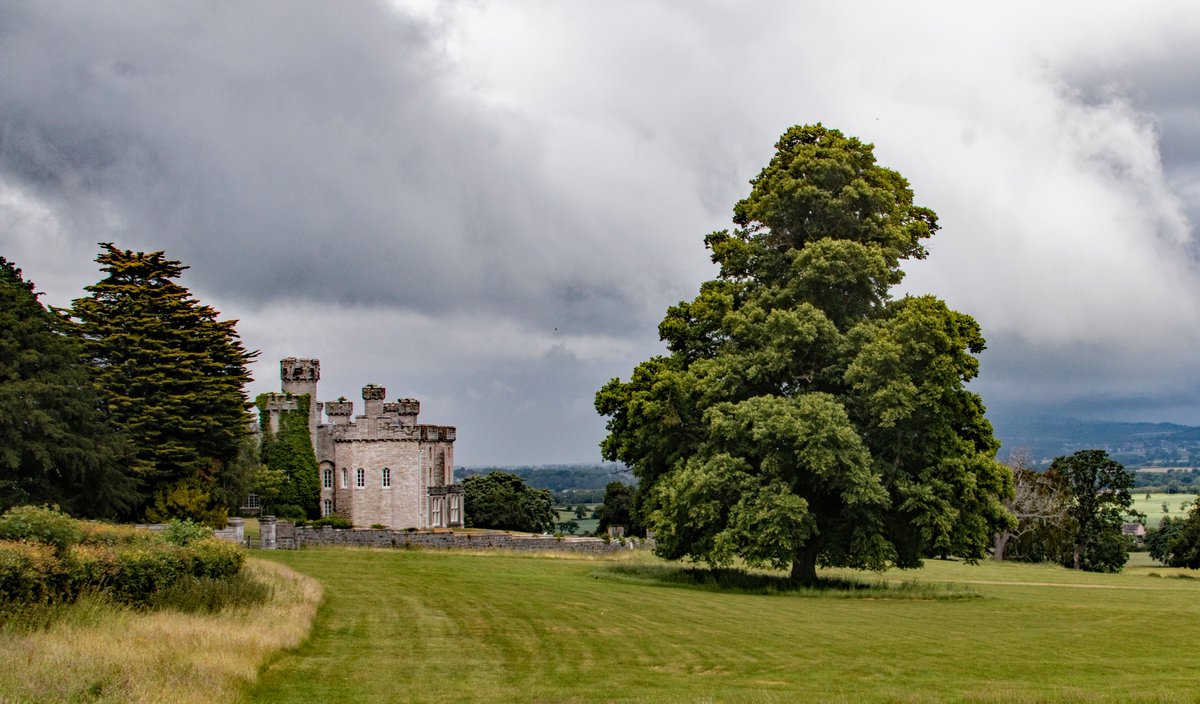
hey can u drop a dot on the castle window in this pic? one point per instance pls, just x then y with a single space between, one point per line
327 507
345 473
454 520
387 477
437 513
327 478
360 477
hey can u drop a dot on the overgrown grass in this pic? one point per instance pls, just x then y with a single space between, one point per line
96 651
758 582
409 625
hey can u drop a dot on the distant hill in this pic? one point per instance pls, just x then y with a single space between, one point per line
1136 445
570 483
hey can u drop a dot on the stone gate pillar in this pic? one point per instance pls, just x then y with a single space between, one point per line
266 526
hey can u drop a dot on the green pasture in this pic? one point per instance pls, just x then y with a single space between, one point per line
1153 506
449 627
587 526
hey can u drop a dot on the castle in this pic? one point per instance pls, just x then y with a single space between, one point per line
379 468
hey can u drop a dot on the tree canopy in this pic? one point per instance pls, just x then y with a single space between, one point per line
171 375
55 445
802 415
620 509
1099 498
502 500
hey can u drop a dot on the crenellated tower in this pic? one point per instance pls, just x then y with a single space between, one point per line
300 376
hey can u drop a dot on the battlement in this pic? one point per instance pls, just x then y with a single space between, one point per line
300 376
373 392
279 402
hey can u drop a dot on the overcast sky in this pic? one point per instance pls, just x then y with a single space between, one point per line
489 205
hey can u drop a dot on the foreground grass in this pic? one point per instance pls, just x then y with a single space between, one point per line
94 651
446 627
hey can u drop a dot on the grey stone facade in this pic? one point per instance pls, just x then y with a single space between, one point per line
379 468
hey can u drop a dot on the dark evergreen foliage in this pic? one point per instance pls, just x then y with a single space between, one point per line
55 445
171 375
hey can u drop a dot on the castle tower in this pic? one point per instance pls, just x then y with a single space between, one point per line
300 376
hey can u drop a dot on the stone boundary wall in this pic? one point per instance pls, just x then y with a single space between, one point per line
461 540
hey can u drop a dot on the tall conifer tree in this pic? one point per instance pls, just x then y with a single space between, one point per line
55 446
172 376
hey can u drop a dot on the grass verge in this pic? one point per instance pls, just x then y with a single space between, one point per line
95 651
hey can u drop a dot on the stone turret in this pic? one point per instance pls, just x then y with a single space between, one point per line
339 411
300 376
373 400
407 410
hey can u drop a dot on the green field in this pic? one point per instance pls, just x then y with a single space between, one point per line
450 627
587 526
1152 506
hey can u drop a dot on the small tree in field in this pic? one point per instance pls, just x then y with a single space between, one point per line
1099 487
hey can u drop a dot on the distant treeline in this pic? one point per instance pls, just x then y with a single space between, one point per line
568 483
1170 481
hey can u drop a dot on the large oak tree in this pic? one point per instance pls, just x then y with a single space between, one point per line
803 415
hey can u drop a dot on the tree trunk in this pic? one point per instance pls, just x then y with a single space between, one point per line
804 566
1001 544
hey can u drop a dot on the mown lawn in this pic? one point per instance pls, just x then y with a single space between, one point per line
445 627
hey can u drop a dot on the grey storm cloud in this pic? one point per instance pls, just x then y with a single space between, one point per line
293 150
489 205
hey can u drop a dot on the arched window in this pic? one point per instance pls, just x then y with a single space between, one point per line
387 477
327 478
360 477
345 474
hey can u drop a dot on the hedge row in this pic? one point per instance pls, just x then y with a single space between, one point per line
57 564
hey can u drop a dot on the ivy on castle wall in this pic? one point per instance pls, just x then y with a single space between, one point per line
289 451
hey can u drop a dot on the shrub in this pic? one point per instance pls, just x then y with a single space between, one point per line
41 524
289 512
185 532
332 522
30 573
215 558
109 534
140 571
